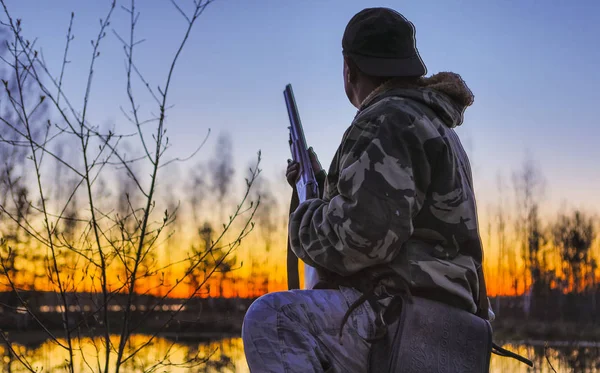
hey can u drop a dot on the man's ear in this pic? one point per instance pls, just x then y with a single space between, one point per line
349 70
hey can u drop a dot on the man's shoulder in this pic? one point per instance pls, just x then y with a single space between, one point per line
401 114
386 106
394 109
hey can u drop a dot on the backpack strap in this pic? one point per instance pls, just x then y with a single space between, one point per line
292 260
483 310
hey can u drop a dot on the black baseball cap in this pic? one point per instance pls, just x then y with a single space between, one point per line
381 42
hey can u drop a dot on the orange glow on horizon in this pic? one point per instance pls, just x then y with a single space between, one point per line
259 268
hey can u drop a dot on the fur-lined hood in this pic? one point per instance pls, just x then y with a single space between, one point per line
445 93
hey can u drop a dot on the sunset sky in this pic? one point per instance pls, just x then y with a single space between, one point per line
532 65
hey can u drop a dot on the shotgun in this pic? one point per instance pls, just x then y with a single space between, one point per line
306 187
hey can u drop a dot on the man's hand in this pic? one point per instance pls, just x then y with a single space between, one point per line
293 169
314 160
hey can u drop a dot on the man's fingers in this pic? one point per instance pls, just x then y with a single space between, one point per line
292 172
314 160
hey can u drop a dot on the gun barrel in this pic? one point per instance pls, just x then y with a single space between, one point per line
306 186
296 124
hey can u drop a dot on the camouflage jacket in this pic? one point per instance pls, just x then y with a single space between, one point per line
399 195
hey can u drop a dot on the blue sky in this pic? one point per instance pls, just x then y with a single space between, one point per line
532 66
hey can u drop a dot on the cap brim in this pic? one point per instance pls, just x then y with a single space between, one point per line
393 67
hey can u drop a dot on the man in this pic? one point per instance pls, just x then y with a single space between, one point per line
398 210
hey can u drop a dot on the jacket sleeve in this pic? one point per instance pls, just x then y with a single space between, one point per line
379 194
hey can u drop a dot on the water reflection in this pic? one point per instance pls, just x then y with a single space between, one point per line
226 355
563 357
161 355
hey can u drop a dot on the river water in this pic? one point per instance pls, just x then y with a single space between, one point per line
226 355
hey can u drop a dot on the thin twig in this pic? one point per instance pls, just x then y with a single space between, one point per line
546 347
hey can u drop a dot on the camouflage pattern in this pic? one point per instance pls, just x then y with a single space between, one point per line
297 331
399 195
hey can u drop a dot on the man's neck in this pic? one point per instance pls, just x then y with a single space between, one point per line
364 90
368 91
371 91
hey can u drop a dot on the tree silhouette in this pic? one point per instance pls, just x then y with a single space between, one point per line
573 235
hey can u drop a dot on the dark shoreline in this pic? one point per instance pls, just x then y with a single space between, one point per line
522 329
532 333
205 319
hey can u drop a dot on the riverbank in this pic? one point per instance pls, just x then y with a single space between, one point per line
523 329
213 317
196 319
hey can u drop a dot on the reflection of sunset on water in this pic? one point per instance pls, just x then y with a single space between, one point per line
227 356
